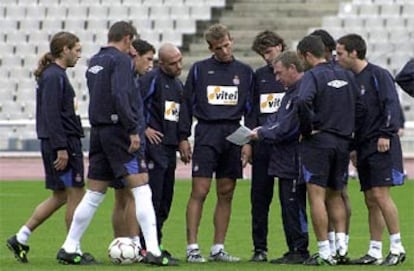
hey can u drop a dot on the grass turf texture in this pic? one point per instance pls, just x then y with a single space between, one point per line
18 199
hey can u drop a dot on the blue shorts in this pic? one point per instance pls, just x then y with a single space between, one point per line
73 175
109 158
380 168
324 160
213 153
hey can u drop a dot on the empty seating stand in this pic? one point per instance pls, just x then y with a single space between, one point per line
27 26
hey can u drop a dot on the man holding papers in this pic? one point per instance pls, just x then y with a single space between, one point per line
282 130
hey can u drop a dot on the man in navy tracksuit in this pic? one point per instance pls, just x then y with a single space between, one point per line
218 93
330 46
267 98
405 78
378 148
327 107
114 143
281 132
162 93
60 130
123 214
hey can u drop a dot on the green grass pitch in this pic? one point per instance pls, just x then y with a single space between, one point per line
17 200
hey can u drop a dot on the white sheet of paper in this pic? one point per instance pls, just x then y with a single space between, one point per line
240 136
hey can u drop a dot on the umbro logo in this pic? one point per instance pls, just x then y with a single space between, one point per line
95 69
337 83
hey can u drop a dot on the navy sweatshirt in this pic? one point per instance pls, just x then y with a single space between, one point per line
328 101
215 91
268 95
162 95
382 116
110 79
282 130
55 109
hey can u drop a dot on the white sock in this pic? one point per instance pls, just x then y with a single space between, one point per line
146 217
23 235
375 249
324 250
341 246
332 242
136 241
347 240
191 247
396 246
82 217
216 248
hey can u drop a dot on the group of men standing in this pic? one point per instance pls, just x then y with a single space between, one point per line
307 113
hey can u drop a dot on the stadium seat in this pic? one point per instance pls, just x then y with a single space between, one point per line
347 9
119 2
98 12
35 11
217 3
353 22
15 12
121 11
25 49
139 12
26 90
30 24
55 11
52 24
97 24
398 59
9 87
77 12
410 24
382 47
8 2
390 9
74 24
332 21
47 2
374 22
185 25
200 12
179 12
146 2
151 36
93 2
16 37
172 36
6 49
173 3
30 61
408 10
142 24
39 36
377 35
163 24
399 34
8 23
159 12
12 110
368 10
391 22
43 47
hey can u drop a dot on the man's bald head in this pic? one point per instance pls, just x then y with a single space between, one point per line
170 59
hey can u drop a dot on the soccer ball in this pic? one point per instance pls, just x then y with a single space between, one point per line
122 250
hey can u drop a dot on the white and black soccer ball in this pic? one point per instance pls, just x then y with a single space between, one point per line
123 250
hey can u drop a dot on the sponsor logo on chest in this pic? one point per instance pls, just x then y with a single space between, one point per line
172 111
270 102
222 95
